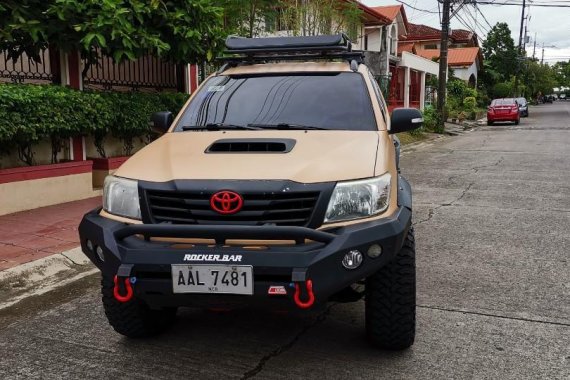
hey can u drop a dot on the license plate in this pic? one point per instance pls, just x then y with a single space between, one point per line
200 278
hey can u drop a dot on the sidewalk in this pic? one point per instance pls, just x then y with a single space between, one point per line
34 234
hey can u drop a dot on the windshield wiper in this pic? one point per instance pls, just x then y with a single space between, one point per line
287 126
217 127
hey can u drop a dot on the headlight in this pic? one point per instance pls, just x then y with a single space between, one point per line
121 197
359 199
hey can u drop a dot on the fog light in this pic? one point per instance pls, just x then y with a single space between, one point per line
90 245
374 251
100 254
352 259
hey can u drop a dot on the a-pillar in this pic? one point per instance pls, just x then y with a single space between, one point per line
406 87
422 90
71 76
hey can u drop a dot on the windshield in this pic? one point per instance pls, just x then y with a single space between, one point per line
338 101
503 102
521 101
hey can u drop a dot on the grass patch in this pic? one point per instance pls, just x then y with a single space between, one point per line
408 138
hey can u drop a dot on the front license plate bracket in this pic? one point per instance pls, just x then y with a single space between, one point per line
212 279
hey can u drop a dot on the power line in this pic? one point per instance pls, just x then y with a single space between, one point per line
558 5
477 24
481 13
417 9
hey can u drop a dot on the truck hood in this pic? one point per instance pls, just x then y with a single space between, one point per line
317 156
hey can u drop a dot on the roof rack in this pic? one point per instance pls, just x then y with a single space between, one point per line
252 50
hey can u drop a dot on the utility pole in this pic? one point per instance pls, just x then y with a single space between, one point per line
522 25
515 90
441 90
542 60
534 47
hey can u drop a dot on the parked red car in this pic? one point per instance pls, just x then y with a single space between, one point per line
506 109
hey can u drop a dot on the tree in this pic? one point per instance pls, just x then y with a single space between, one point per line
539 78
499 52
187 31
248 18
251 18
315 17
562 73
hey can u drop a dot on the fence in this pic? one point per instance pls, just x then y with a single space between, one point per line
26 70
147 73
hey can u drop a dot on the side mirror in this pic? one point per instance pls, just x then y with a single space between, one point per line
161 121
406 119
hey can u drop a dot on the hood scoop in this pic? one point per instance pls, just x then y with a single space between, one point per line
251 146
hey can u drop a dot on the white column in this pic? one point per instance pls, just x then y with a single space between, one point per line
422 90
406 87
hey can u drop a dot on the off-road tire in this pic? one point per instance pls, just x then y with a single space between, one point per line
134 318
390 300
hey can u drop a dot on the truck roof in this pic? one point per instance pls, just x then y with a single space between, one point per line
289 67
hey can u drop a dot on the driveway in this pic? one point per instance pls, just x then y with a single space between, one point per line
492 219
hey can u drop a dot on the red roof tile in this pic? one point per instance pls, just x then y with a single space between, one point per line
370 15
429 54
419 32
389 11
461 35
456 56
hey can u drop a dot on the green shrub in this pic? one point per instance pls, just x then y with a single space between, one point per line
470 102
461 98
31 113
431 120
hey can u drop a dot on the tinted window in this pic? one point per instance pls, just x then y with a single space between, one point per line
503 102
332 101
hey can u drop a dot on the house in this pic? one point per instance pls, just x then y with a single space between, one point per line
428 38
464 55
464 61
401 71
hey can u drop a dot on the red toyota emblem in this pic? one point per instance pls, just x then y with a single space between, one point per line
226 202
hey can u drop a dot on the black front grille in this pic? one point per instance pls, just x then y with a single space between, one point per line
193 207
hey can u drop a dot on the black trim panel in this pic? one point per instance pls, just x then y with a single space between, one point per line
253 188
255 146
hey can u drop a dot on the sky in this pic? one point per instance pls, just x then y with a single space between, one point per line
551 25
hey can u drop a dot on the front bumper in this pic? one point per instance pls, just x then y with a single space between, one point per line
133 251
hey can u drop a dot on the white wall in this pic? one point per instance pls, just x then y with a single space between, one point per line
374 38
419 63
465 72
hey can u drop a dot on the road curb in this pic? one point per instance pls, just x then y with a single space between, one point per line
43 275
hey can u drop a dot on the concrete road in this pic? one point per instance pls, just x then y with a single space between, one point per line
492 219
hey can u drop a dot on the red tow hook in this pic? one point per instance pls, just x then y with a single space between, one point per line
116 291
307 304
